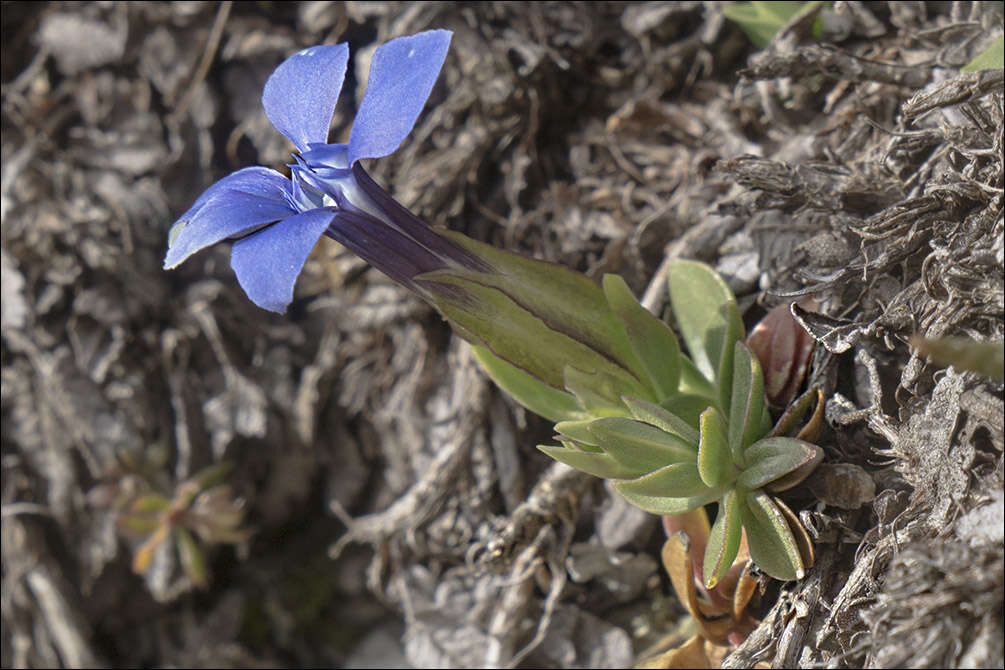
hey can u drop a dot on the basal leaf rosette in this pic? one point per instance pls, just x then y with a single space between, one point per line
661 465
711 440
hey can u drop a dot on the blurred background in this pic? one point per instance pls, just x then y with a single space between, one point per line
190 481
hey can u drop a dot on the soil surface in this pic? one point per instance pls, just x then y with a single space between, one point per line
385 504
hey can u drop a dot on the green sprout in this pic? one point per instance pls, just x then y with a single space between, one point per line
677 432
992 58
201 507
762 20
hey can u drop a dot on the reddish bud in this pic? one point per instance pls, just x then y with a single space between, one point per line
784 349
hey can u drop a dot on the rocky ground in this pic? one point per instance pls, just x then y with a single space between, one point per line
386 505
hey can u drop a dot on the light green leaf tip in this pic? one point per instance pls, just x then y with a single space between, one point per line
723 540
761 20
529 391
664 505
713 450
775 457
638 445
598 465
991 58
772 545
652 341
747 407
709 321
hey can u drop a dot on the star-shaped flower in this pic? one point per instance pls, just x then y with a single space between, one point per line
278 220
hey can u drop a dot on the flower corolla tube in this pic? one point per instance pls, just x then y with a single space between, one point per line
276 221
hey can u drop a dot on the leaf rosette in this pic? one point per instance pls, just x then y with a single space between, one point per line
678 432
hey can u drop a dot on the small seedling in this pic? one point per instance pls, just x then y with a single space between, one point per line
201 511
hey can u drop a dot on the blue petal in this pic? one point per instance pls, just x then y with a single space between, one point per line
300 96
254 180
335 156
402 74
236 204
268 263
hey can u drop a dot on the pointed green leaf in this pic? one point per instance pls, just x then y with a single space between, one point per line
664 505
688 407
662 418
599 392
693 382
714 462
723 540
772 546
964 353
761 20
638 445
598 465
567 301
990 59
580 432
652 340
529 391
677 480
797 475
144 556
747 407
150 504
709 321
799 533
518 336
791 420
138 525
774 457
212 475
193 560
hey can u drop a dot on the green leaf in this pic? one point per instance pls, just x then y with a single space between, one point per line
521 338
964 353
708 319
761 20
662 418
688 406
579 431
567 301
150 504
598 465
652 340
693 382
638 445
677 480
599 392
774 457
990 59
193 560
664 505
138 525
747 407
772 546
528 390
799 533
723 540
212 475
790 422
144 556
797 475
714 463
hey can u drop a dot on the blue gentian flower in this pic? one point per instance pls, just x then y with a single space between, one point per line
277 221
